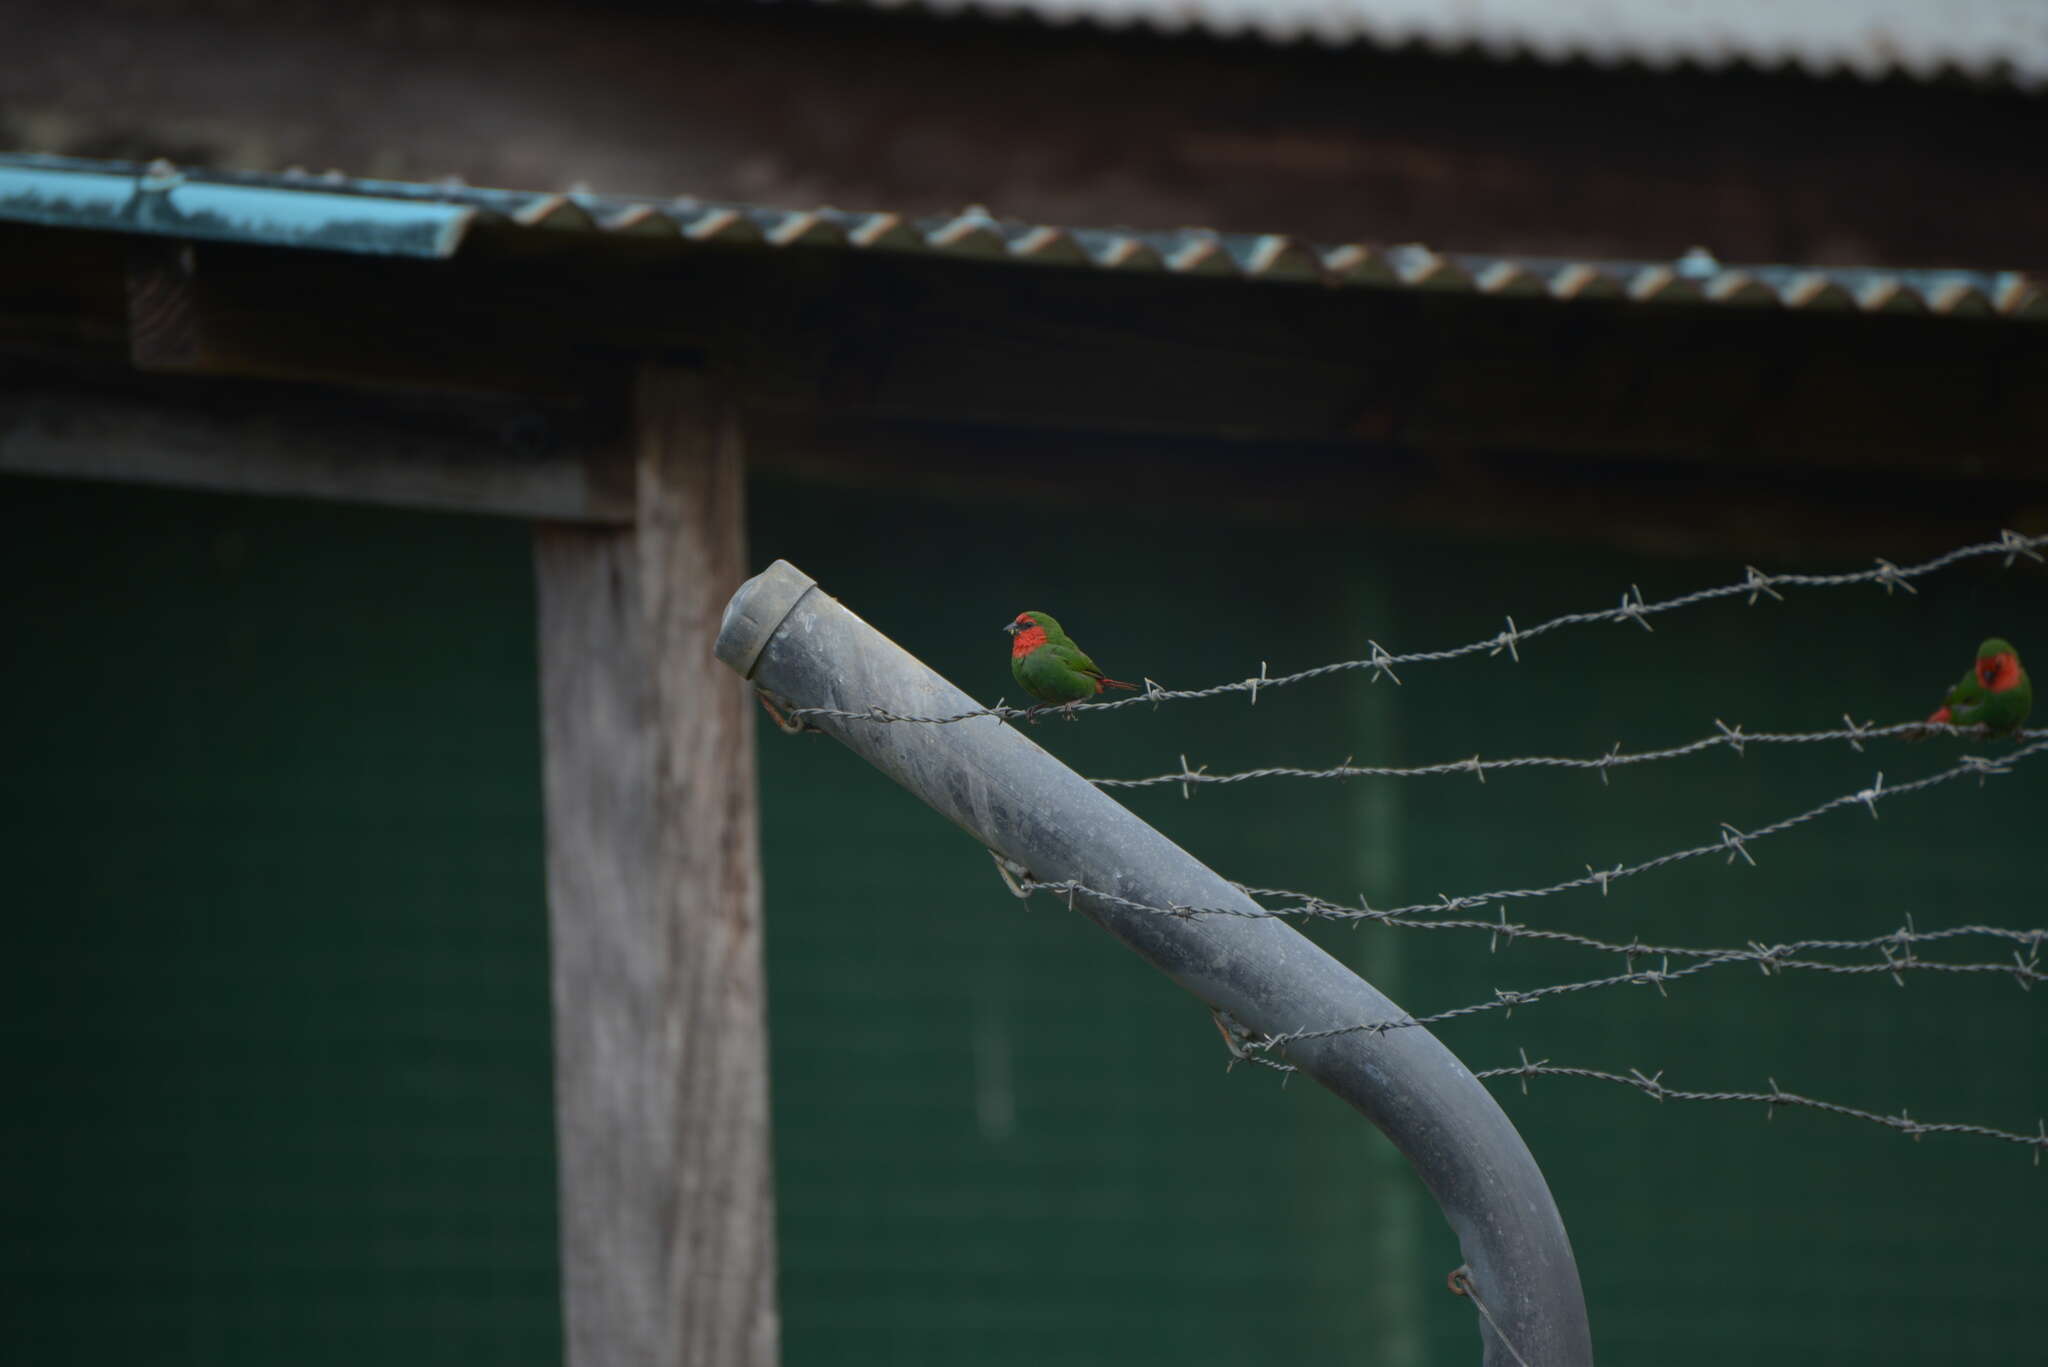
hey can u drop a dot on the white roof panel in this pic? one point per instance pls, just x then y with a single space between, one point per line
1985 39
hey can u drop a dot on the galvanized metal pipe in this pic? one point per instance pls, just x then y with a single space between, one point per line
801 646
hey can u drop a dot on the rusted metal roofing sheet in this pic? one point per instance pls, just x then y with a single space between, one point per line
1983 39
393 218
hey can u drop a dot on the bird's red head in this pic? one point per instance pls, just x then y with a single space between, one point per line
1026 635
1999 672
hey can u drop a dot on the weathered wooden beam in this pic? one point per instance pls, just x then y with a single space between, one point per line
661 1081
368 322
1746 509
336 449
880 337
1612 379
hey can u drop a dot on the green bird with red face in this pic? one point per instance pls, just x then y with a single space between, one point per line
1050 667
1996 692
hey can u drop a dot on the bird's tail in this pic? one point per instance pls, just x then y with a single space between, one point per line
1102 683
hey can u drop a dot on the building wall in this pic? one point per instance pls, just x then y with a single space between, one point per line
275 1052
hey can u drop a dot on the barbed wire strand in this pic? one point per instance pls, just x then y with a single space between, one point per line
1652 1085
1727 737
1896 949
1759 952
1734 843
1256 1048
1382 663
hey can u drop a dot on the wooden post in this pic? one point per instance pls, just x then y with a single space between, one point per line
661 1060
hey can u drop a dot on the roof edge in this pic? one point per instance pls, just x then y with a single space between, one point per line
332 212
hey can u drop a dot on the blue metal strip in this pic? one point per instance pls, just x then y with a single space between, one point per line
171 206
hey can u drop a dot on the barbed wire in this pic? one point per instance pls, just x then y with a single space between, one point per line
1733 842
1382 663
1726 737
1652 1085
1762 953
1896 948
1256 1048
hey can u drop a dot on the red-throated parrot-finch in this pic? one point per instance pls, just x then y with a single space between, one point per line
1996 692
1050 666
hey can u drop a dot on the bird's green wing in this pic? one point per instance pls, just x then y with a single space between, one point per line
1072 656
1967 693
1052 679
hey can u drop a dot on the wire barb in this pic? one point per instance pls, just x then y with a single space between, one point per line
1506 641
1904 938
1892 577
1984 767
1633 607
1756 581
2017 546
1612 757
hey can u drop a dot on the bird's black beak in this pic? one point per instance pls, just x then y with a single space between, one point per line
1010 627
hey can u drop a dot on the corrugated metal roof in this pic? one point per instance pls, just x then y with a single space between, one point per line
394 218
1982 39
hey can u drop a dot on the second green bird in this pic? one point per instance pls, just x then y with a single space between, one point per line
1050 667
1996 692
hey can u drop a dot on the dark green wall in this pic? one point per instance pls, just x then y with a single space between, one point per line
1001 1138
274 1057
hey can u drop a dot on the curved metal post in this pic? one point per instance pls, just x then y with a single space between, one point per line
987 777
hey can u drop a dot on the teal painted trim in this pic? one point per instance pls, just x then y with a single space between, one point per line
165 203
